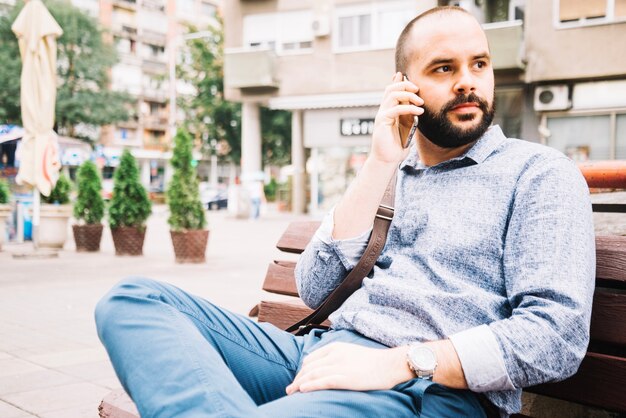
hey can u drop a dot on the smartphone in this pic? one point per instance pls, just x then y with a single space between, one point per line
409 138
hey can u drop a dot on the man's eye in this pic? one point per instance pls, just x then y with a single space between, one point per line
443 69
481 64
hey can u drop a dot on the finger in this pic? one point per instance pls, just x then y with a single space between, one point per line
304 378
401 86
334 381
403 97
391 114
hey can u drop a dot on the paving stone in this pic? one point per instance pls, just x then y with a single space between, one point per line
14 366
85 411
66 358
9 411
34 380
112 383
90 371
58 398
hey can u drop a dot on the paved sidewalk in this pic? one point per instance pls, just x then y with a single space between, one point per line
51 362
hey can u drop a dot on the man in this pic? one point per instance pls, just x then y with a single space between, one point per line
484 285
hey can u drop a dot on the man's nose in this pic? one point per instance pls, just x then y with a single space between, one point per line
465 82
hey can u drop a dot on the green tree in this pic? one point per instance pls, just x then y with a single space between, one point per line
89 204
60 194
129 205
276 134
217 121
210 117
83 62
183 195
5 192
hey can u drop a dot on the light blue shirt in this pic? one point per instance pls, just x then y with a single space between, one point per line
494 250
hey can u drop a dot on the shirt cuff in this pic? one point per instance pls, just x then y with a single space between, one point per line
482 360
351 249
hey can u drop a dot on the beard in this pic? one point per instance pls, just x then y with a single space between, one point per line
442 132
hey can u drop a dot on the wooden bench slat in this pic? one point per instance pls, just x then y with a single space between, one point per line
608 317
297 236
599 382
283 313
280 278
611 257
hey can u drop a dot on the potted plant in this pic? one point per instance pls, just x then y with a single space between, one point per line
88 208
5 208
55 213
129 208
187 219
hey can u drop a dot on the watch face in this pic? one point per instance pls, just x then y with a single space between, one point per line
423 358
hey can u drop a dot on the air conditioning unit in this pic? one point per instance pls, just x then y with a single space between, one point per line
552 97
321 26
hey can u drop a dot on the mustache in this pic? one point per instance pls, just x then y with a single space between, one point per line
466 98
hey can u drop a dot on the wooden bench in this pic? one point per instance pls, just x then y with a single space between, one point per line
599 383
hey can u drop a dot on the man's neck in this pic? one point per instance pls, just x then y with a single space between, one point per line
431 154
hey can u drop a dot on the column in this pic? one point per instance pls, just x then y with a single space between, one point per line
250 141
298 191
145 173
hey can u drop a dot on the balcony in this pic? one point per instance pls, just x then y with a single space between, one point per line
250 69
125 4
506 41
153 37
124 31
154 66
157 122
154 94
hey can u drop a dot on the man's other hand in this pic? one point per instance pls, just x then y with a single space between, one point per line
351 367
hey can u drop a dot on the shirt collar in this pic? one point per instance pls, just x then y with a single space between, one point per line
478 153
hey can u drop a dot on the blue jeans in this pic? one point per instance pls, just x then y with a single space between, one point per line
180 356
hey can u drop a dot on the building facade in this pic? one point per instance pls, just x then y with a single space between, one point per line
329 61
147 35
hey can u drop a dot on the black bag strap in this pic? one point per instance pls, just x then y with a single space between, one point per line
352 282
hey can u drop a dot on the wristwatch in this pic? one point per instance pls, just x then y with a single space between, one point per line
422 360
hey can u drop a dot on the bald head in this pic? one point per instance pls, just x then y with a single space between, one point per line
403 46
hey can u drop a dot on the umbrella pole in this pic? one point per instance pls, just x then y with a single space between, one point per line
36 213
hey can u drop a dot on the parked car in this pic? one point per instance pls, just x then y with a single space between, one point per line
213 198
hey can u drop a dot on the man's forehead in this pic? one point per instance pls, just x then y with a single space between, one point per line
445 35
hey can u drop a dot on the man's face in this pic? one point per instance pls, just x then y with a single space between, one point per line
450 63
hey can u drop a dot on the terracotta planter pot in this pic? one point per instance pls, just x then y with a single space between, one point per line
87 237
128 240
190 246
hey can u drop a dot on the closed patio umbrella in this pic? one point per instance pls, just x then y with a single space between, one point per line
37 32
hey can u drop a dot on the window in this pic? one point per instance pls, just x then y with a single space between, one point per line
491 11
572 13
355 31
581 137
510 105
207 9
285 32
371 26
185 6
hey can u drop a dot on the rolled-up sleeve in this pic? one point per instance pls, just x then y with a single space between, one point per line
481 359
549 265
326 261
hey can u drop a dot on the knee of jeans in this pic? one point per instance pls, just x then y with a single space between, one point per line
108 310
